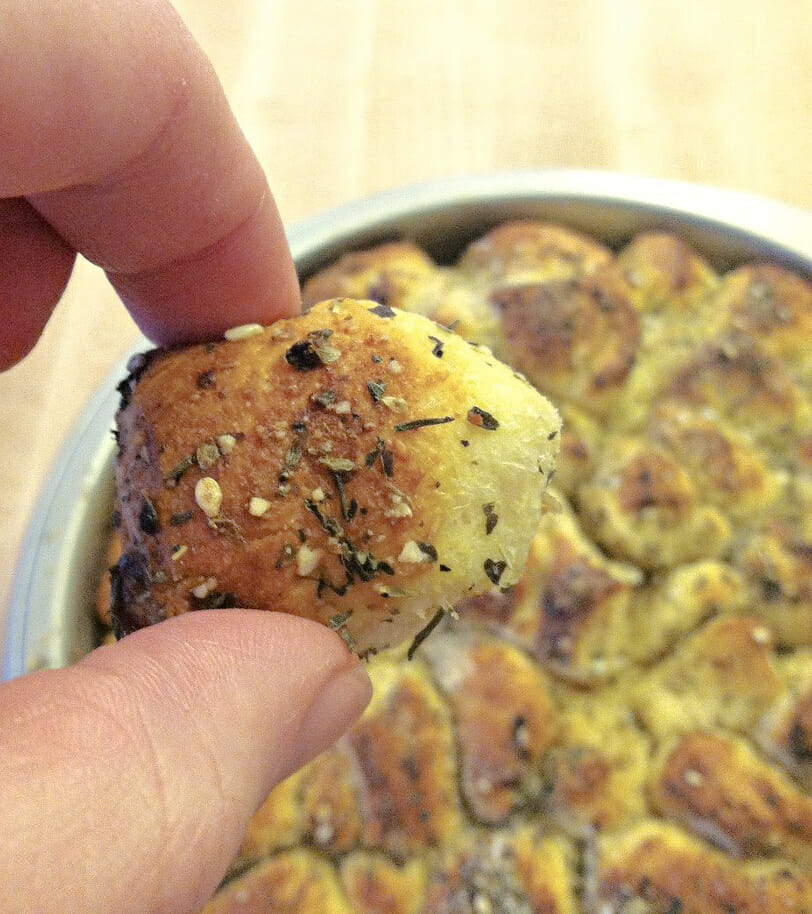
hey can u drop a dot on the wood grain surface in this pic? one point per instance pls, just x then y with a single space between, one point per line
344 99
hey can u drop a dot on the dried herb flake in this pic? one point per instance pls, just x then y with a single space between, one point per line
422 423
382 310
482 419
376 390
148 518
421 636
491 517
494 570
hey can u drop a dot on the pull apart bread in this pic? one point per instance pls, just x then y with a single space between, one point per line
357 465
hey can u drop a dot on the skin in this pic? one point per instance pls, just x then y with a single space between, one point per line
129 778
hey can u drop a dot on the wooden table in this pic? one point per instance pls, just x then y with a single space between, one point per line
341 100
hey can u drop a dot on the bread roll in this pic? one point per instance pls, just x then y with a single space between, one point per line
357 465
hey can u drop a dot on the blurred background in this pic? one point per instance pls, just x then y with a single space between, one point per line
344 99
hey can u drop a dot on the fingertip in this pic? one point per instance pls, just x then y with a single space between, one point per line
36 266
179 730
246 277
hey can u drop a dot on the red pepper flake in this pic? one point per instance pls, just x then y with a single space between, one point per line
482 419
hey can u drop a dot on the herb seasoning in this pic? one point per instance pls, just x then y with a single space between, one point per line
421 636
376 390
491 517
494 570
438 347
148 518
482 419
382 310
422 423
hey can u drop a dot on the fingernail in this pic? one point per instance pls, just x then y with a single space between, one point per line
339 703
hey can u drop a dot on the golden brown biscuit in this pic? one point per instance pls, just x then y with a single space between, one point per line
576 340
529 251
722 676
720 789
376 885
357 465
505 721
672 280
774 306
642 505
293 882
658 869
398 274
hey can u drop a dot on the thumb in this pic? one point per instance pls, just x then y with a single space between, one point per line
129 778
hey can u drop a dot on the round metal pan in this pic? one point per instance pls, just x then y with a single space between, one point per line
50 620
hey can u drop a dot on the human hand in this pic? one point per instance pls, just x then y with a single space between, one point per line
128 779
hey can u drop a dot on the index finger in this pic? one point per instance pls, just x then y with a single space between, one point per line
117 131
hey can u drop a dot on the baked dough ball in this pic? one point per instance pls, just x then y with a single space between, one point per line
357 465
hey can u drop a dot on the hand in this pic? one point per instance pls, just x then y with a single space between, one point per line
129 778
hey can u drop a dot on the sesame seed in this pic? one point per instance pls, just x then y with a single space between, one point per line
209 496
258 506
234 334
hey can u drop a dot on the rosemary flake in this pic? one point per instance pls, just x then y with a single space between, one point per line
491 517
173 477
339 620
376 390
421 636
422 423
438 347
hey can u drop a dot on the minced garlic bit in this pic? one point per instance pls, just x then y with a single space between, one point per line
306 560
258 506
412 552
209 496
396 404
242 332
761 635
395 367
226 443
204 589
207 455
400 507
317 495
693 778
179 552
